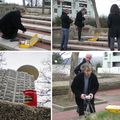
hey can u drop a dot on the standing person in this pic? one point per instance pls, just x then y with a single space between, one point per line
66 21
114 26
79 22
10 23
85 84
87 59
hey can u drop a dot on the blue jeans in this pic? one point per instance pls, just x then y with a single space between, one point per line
65 37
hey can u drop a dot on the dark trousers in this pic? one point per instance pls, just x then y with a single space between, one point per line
65 37
82 104
79 33
9 33
112 42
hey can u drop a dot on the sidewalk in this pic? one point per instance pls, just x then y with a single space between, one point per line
112 96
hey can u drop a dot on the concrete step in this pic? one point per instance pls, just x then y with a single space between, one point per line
43 37
39 22
47 18
37 27
97 43
101 38
14 46
83 47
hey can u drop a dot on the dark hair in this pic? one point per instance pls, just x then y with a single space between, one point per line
115 9
83 9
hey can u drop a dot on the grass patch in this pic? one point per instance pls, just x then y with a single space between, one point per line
64 101
104 116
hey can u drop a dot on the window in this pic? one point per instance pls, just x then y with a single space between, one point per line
116 64
55 10
82 5
116 53
67 3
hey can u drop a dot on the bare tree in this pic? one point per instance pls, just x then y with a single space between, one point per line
96 14
74 62
43 7
44 92
2 60
24 3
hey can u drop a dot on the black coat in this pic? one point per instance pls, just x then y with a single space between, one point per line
77 87
66 21
114 25
12 21
79 21
77 69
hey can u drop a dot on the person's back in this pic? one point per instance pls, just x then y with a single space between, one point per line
10 23
12 20
114 20
79 20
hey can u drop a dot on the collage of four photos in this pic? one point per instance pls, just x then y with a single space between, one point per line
59 60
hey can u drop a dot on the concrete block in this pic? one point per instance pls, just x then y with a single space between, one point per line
14 46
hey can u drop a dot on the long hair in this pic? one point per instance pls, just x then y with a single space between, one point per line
115 9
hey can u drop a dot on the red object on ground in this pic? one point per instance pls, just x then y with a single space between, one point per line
30 97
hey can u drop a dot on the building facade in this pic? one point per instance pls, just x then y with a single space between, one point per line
13 83
111 63
73 6
2 1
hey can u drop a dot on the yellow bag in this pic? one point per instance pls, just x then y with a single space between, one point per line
113 108
29 43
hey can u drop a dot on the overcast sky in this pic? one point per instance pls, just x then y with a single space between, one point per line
16 59
103 6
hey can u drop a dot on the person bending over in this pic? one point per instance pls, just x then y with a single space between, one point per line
11 23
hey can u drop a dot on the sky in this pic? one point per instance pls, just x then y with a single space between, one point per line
16 1
103 6
16 59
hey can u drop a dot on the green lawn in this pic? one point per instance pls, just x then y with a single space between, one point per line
104 116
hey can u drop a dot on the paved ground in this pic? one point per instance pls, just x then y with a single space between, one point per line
112 96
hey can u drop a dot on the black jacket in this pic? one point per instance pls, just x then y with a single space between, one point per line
77 87
12 21
66 21
114 25
77 69
79 21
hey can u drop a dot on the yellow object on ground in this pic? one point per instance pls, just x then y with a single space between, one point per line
94 39
29 43
113 108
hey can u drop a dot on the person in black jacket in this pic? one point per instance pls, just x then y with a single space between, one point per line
79 21
66 21
87 59
114 26
10 23
85 84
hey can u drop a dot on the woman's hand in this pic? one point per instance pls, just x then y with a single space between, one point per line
83 96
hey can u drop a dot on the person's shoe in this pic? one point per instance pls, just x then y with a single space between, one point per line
14 39
81 39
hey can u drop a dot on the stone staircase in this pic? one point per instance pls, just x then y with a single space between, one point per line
34 24
100 45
